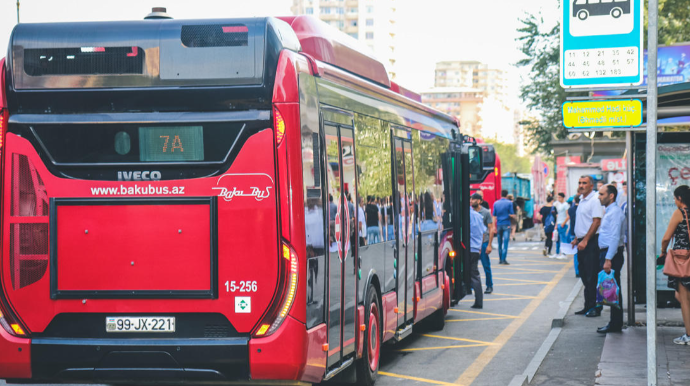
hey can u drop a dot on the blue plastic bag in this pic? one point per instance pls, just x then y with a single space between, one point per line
608 291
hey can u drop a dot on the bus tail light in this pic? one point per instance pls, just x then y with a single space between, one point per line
279 124
275 319
29 239
8 321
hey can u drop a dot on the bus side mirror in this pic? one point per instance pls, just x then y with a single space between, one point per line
476 165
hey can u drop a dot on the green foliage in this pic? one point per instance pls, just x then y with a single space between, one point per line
510 161
673 22
543 94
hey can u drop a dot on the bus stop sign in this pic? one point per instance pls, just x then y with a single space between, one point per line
601 43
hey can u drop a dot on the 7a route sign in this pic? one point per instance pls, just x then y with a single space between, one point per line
601 43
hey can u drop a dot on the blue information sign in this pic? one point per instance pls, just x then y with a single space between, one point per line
601 43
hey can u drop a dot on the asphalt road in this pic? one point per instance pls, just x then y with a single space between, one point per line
492 345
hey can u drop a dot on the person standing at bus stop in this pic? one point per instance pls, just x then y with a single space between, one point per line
503 212
587 222
611 250
488 237
561 224
477 230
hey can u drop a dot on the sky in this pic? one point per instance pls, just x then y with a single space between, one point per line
429 30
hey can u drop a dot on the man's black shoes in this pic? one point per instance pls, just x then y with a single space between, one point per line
489 290
594 312
477 306
608 328
582 311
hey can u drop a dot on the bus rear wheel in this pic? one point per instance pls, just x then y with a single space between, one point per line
616 13
368 366
582 15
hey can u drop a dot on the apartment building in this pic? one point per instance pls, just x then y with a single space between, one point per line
474 74
461 102
372 22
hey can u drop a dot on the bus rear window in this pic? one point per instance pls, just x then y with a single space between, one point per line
137 143
83 61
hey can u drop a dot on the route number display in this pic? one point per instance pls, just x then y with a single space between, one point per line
602 62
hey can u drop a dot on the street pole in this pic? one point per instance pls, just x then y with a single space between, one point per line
17 11
628 244
651 190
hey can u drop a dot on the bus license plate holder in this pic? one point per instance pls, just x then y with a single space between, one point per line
159 324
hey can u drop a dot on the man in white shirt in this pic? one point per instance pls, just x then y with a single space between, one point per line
611 250
561 223
588 219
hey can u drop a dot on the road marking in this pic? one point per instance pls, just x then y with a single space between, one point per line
443 347
523 280
496 300
477 319
501 274
514 284
430 381
476 368
515 295
458 339
516 268
482 313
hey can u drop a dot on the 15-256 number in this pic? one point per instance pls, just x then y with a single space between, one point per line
241 286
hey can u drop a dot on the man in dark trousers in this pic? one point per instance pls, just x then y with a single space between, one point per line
587 222
477 230
611 250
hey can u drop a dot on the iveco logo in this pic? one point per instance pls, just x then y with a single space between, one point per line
139 176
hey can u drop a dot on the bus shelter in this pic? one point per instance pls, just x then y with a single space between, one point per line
672 169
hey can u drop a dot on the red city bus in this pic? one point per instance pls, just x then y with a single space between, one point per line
246 200
490 184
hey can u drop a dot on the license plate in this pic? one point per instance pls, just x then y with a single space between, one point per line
140 324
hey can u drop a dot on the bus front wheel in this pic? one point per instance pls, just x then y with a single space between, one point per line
582 15
368 366
616 13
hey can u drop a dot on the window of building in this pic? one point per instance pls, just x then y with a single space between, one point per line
352 10
340 10
370 9
326 10
370 22
353 23
370 35
354 35
340 24
310 11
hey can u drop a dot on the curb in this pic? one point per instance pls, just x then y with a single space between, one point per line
519 380
559 318
556 325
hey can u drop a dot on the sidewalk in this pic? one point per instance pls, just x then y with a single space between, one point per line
624 358
581 356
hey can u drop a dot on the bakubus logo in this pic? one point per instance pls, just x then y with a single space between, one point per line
256 185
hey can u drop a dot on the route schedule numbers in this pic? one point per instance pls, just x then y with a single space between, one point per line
602 63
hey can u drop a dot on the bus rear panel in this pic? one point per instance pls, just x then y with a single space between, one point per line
140 203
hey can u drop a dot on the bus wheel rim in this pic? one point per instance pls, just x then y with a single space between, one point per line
374 346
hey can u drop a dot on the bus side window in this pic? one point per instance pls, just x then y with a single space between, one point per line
314 225
374 179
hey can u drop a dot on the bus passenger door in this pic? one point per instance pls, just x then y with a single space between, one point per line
406 225
342 239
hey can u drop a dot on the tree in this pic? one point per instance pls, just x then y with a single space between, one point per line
543 94
510 161
673 21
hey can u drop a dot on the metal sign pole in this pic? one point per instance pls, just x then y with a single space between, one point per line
628 244
652 91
